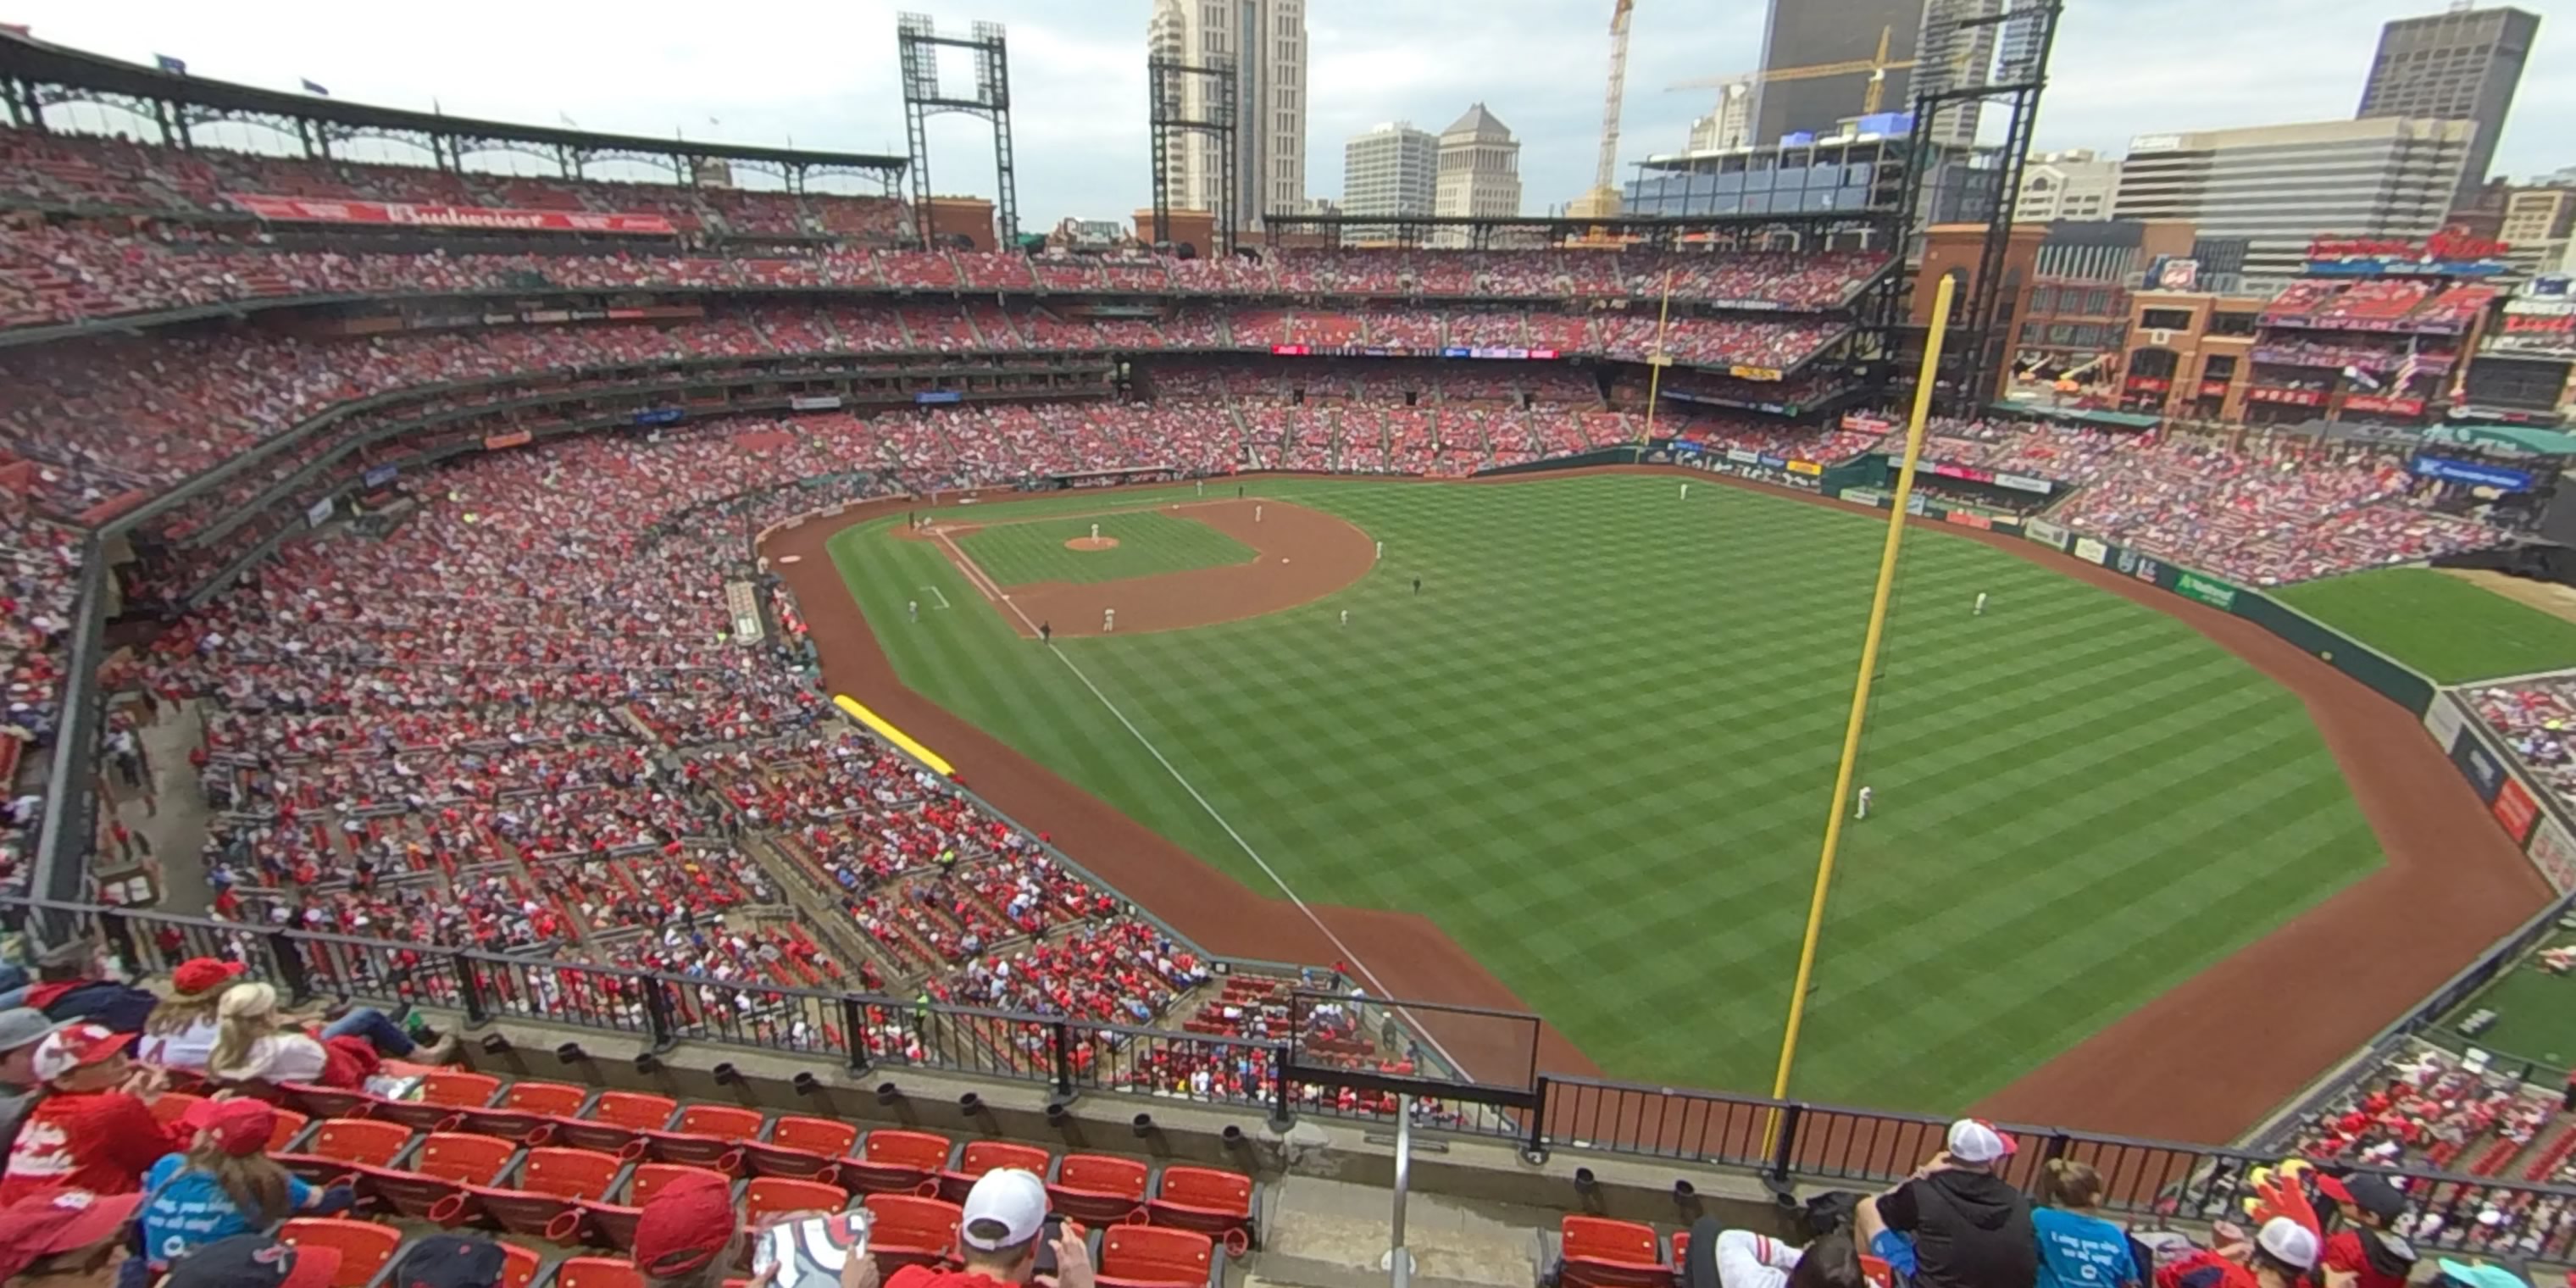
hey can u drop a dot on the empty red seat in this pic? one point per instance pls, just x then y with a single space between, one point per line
1206 1199
519 1266
524 1109
981 1156
598 1272
1098 1189
551 1181
1601 1253
615 1121
444 1165
290 1125
171 1106
801 1148
891 1161
705 1136
365 1248
1144 1256
442 1093
341 1146
318 1100
611 1223
769 1195
908 1230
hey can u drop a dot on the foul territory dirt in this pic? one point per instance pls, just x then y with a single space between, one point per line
2201 1063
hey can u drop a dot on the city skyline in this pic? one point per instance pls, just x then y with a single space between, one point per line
825 79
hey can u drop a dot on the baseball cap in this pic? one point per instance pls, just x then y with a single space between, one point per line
241 1127
1006 1208
451 1261
78 1045
2481 1275
25 1026
685 1226
55 1221
254 1261
2367 1192
2290 1242
1974 1140
199 974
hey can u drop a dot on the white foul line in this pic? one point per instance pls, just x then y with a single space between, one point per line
938 594
1246 846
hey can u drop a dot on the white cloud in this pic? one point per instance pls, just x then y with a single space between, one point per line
825 74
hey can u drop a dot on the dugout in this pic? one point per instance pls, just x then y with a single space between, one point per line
1969 484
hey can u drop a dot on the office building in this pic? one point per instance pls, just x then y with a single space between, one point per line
1807 33
2538 223
1391 170
2076 185
2282 186
1266 39
2459 65
1952 55
1480 167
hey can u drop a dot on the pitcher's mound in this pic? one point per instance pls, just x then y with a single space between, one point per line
1092 543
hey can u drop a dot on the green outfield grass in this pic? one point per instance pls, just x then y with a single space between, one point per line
2535 1015
1020 553
2447 628
1597 750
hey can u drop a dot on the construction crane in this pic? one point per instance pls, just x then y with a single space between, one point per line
1603 200
1876 68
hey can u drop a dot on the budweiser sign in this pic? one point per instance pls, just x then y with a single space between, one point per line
2448 246
324 211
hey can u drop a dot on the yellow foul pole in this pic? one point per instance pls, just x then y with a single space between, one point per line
1658 360
1860 689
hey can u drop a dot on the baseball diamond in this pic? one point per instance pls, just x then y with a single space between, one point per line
1591 753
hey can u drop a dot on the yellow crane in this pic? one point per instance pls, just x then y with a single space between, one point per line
1603 200
1876 68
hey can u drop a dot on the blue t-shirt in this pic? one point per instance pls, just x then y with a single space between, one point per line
192 1209
2078 1251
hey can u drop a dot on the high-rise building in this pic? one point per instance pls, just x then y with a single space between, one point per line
1392 169
2281 186
1480 167
2540 225
1951 54
1266 39
2074 185
2459 65
1806 33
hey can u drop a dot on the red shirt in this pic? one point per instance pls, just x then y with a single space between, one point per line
925 1277
2345 1251
100 1141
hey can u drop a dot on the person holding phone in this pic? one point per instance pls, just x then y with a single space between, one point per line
1004 1235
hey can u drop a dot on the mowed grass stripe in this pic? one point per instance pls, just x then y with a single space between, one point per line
1597 749
1027 551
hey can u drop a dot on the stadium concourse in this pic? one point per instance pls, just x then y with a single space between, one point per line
532 695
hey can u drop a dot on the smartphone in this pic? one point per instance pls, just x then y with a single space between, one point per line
1047 1235
809 1252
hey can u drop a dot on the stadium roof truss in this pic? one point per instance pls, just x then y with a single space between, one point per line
35 75
1815 230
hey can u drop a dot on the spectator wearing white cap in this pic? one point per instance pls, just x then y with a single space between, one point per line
1003 1227
2280 1255
1955 1223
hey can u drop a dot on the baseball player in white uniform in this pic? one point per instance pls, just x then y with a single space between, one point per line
1863 800
1108 620
1981 604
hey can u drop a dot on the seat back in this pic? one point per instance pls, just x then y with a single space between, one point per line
365 1248
458 1088
724 1122
290 1125
915 1149
519 1266
770 1195
1206 1188
544 1098
359 1140
828 1137
173 1105
598 1272
1601 1253
1102 1174
1153 1254
981 1156
568 1173
905 1229
651 1178
468 1160
635 1110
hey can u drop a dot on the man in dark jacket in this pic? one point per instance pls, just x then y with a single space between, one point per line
2371 1252
1955 1224
72 984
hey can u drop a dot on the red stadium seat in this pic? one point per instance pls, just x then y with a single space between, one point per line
769 1195
615 1121
612 1223
445 1165
170 1106
981 1156
551 1182
442 1093
1601 1253
1140 1256
891 1161
801 1148
906 1230
525 1109
1208 1200
520 1266
598 1272
365 1248
341 1146
710 1136
1098 1189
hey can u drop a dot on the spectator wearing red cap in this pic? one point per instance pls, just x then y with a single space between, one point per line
685 1236
62 1232
1003 1223
224 1185
93 1128
1955 1223
180 1033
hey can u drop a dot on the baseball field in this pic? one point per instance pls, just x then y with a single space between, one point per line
1594 747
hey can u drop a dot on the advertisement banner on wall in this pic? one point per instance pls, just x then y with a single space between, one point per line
1805 467
2147 570
2216 594
2091 551
379 475
2471 473
2443 720
2478 765
1742 457
2516 810
813 402
2554 854
2047 534
1969 519
311 211
514 438
1868 496
2023 483
318 513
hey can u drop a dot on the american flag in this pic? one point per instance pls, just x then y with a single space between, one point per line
2406 371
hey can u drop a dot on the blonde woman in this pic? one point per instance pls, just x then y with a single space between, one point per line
222 1185
254 1041
180 1032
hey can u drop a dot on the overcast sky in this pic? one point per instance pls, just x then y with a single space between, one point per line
823 74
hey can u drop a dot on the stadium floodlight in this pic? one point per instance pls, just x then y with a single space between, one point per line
918 44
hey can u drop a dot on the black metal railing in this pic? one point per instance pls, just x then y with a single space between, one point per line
1785 1142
